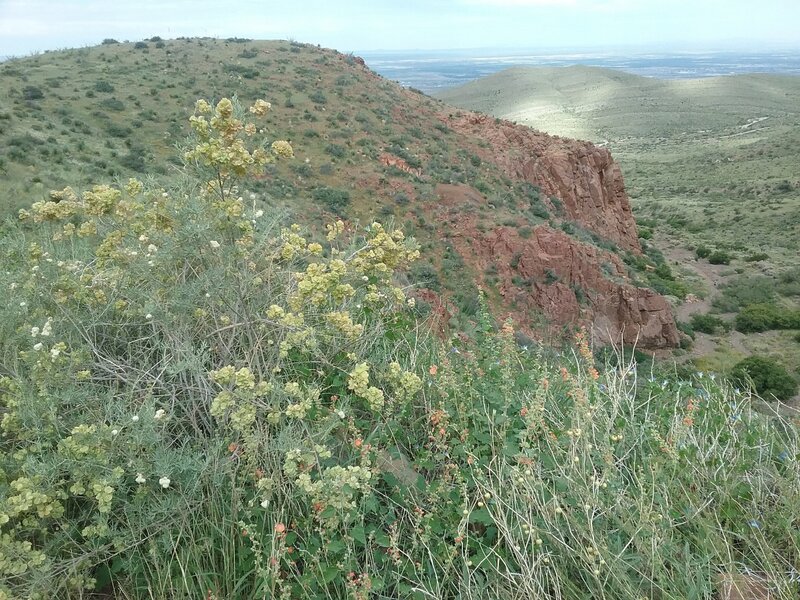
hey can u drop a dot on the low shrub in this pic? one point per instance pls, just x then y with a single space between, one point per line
335 200
702 252
710 324
764 317
336 150
767 377
719 257
744 290
32 92
104 87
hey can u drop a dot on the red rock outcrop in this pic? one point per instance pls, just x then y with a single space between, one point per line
540 274
583 176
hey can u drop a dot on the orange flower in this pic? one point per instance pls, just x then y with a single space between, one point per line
233 447
523 411
564 373
358 442
688 421
433 369
594 374
280 527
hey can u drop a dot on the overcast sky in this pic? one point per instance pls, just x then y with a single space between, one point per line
358 25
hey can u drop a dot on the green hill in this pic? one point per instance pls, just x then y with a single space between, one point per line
709 163
202 399
365 149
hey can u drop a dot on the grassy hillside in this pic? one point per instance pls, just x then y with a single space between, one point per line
119 110
197 401
708 163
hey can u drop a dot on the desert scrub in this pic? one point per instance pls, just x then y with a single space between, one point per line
767 377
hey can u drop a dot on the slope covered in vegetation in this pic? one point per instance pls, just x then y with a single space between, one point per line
198 403
365 149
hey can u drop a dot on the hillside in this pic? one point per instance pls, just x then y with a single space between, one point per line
364 149
217 383
711 166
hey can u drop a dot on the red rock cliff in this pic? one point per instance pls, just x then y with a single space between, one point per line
584 177
540 274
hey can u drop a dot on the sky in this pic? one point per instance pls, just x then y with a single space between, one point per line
29 26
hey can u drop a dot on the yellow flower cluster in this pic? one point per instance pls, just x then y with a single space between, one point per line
337 485
26 497
283 149
384 253
334 230
220 147
322 283
65 204
239 404
301 401
17 557
343 323
293 243
358 382
406 384
260 108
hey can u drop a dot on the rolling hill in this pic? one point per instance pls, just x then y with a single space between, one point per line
365 149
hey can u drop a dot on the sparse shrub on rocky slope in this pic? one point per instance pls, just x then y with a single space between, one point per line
197 403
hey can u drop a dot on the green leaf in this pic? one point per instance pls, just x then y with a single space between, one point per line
329 573
335 546
358 534
382 539
481 516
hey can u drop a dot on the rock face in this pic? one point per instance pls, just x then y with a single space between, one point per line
583 176
555 276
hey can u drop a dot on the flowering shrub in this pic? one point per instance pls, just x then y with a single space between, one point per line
160 330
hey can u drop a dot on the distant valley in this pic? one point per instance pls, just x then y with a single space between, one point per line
432 71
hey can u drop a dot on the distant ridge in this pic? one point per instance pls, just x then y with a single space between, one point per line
599 103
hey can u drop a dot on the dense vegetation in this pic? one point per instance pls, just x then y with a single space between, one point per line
200 403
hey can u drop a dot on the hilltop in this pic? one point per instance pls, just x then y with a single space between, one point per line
365 148
711 166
